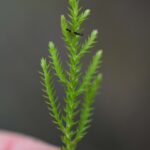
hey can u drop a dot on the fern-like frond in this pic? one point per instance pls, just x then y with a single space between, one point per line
73 14
83 16
49 91
64 27
55 60
88 43
87 107
73 74
92 69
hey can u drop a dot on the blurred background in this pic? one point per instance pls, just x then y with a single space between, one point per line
122 109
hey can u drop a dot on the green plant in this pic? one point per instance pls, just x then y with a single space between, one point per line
79 95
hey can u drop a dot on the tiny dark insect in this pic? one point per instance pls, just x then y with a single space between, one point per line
76 33
68 30
80 34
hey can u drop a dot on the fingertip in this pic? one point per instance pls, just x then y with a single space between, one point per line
13 141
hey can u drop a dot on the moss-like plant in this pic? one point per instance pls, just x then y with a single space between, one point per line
79 93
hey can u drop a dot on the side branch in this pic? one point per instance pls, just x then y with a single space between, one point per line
89 75
88 43
50 94
55 60
87 107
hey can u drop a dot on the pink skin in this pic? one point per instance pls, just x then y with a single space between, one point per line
14 141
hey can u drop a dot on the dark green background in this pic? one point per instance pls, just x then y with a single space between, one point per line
122 110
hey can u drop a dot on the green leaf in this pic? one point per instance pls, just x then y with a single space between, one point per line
88 43
86 113
50 94
91 71
55 60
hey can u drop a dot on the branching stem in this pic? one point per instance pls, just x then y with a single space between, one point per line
72 129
